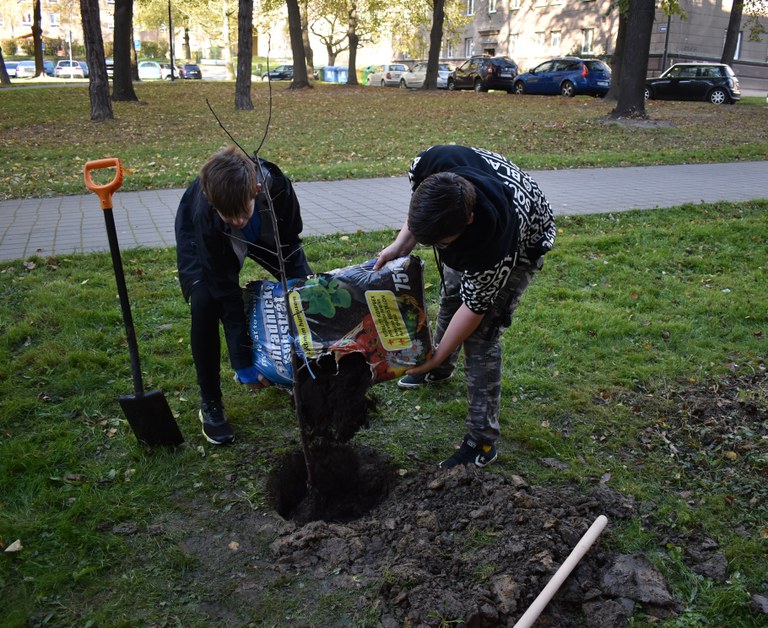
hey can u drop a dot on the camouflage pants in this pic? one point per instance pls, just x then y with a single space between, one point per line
482 350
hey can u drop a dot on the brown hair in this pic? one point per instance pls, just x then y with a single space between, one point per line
441 207
229 182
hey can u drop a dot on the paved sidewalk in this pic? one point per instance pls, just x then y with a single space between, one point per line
74 224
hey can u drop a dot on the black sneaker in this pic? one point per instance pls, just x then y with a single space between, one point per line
471 452
216 428
415 381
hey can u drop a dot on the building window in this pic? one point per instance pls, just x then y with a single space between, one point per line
587 40
448 52
26 19
470 7
514 5
469 47
513 42
554 38
540 38
491 6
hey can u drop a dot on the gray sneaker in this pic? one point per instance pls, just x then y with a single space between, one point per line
415 381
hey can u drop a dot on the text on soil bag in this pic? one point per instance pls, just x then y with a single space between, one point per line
388 320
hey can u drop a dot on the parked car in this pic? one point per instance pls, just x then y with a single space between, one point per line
165 71
280 73
387 74
49 67
70 69
714 82
190 71
567 76
149 70
416 76
110 67
25 69
10 68
483 72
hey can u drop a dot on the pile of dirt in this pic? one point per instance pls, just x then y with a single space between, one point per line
435 547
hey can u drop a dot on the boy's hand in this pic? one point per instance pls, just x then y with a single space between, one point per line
251 377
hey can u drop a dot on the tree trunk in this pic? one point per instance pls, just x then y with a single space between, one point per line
435 41
634 62
618 55
732 34
244 55
122 83
37 37
300 80
354 42
187 49
4 78
305 38
331 54
98 82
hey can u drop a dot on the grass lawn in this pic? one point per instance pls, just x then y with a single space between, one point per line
337 132
631 313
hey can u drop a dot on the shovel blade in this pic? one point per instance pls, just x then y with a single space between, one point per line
151 419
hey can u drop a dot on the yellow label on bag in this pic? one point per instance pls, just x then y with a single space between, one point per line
303 334
388 320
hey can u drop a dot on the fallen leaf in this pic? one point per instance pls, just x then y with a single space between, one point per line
14 547
234 546
731 455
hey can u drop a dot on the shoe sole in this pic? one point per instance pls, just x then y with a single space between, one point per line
208 438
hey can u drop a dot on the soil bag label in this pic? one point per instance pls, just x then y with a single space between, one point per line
380 314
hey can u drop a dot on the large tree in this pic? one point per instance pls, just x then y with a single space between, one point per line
244 55
300 78
98 82
310 56
634 62
122 69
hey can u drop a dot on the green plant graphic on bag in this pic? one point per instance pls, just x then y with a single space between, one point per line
323 297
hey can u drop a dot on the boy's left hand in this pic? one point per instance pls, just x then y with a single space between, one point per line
251 377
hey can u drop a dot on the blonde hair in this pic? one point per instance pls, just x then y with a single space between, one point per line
229 182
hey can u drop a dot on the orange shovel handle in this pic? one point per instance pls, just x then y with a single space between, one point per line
104 191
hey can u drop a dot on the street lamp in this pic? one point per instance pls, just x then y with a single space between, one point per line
170 40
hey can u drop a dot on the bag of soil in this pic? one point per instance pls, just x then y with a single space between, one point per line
381 314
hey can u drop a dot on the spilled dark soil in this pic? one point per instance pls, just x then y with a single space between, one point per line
435 548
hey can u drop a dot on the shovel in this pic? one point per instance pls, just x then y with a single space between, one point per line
148 413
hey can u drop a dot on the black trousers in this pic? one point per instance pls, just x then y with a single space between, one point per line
205 335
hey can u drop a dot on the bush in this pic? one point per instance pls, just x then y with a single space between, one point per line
9 47
154 49
28 47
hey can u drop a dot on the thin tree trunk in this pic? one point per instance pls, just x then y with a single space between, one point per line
4 78
354 42
122 83
244 55
732 34
310 56
37 37
98 82
300 79
435 41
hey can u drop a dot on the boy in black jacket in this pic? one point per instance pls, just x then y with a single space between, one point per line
490 225
223 218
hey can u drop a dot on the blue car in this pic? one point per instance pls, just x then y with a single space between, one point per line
567 76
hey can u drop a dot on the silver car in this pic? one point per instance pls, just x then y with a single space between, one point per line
416 76
387 75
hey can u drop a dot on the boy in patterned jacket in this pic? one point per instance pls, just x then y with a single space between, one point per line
490 226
